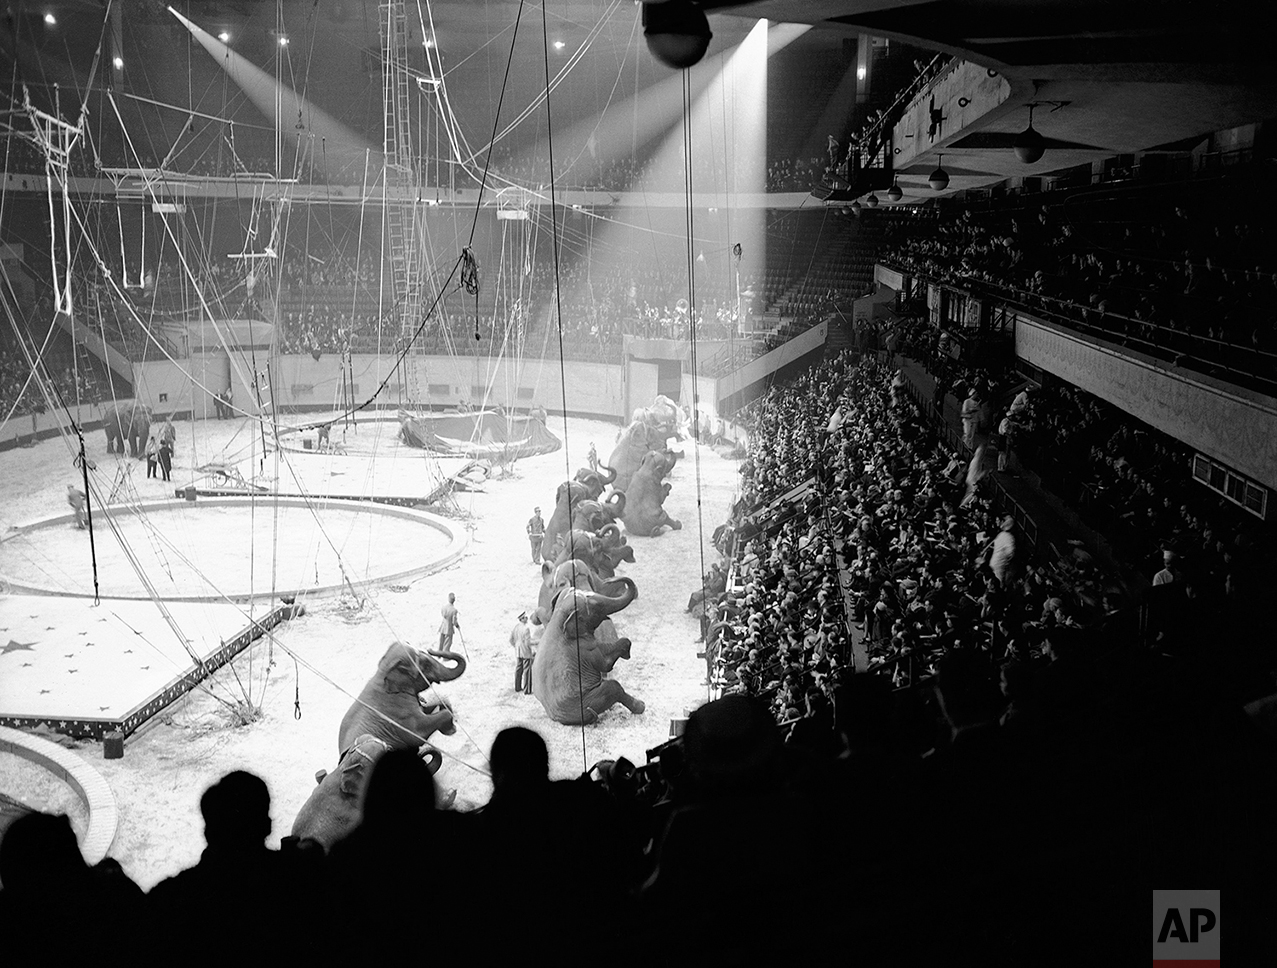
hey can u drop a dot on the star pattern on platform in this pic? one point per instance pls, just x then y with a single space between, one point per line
89 645
26 665
50 628
85 632
45 692
73 671
69 655
103 709
16 647
145 667
128 651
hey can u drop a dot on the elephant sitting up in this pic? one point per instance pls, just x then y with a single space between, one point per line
388 708
644 514
575 654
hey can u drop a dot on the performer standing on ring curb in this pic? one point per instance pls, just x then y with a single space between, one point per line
75 498
521 639
536 534
451 622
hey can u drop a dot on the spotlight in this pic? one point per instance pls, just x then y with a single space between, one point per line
283 41
559 45
677 32
855 208
118 61
939 179
428 44
872 200
1028 144
894 194
860 73
51 20
224 37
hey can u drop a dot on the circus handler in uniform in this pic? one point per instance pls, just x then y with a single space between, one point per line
450 623
152 455
521 639
592 458
536 534
75 498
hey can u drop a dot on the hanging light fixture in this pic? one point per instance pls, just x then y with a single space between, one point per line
939 179
872 200
894 194
1028 144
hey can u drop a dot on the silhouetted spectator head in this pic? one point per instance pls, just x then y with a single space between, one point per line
39 852
733 746
520 761
965 689
236 811
400 790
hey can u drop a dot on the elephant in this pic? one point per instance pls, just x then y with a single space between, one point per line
335 807
596 481
642 435
602 550
577 651
644 515
388 708
576 506
572 573
634 443
128 422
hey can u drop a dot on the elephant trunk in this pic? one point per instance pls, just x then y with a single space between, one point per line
441 672
608 604
615 502
611 535
433 759
615 587
610 477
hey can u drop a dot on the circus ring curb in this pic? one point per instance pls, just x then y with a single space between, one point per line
87 782
458 540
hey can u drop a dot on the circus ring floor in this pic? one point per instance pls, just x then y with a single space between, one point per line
236 549
323 657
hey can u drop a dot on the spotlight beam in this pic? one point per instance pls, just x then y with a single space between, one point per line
260 87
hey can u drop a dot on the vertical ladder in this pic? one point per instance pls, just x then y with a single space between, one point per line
404 257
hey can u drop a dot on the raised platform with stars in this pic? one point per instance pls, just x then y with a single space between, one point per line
83 670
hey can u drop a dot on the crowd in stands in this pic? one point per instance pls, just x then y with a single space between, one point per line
915 537
1135 485
1152 279
20 396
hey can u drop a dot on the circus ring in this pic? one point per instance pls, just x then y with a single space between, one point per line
87 783
230 549
89 668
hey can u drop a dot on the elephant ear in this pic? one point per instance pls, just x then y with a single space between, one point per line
547 570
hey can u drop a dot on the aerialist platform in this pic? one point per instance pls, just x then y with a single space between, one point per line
83 670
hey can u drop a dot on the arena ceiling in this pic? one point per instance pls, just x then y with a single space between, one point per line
1132 76
1119 78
